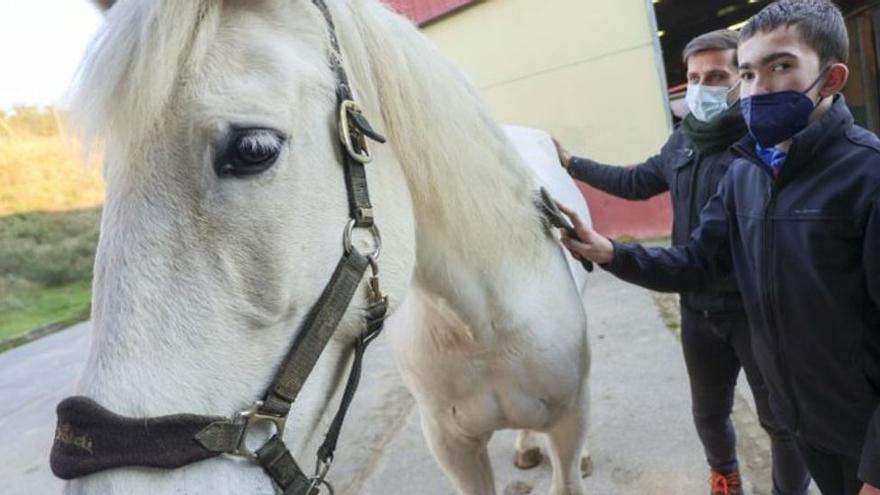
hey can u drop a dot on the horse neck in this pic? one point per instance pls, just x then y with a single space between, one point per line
472 194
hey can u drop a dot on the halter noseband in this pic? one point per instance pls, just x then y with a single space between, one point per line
90 438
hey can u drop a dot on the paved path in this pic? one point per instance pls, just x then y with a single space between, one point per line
642 439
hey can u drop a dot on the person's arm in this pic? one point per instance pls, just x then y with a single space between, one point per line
869 467
677 269
640 181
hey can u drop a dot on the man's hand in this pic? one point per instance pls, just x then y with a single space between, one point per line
591 245
564 155
869 490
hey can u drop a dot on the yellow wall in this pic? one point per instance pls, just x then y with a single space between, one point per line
585 70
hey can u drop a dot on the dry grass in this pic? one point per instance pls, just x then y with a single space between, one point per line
44 173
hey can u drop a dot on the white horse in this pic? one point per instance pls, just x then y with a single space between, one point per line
201 281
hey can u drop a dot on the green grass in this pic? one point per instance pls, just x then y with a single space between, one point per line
45 268
64 305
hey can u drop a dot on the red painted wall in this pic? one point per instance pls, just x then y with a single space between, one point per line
421 11
616 218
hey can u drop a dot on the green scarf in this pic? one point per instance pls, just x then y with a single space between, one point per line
716 135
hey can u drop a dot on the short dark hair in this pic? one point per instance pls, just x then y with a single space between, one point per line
819 22
722 39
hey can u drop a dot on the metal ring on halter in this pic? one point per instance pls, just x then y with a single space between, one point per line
377 239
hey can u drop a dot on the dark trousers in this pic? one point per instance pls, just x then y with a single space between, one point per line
834 474
715 348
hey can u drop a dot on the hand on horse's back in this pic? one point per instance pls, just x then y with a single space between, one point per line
564 155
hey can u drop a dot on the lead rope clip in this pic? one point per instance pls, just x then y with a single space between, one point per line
320 478
375 290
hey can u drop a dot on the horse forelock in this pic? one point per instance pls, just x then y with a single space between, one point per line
135 62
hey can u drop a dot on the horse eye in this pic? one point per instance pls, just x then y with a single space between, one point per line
249 152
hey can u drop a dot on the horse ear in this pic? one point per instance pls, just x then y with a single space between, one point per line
104 5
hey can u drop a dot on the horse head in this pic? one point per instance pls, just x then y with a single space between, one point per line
224 218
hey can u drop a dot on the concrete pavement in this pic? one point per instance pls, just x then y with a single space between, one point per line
642 439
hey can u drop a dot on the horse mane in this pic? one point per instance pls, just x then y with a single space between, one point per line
133 66
464 174
465 177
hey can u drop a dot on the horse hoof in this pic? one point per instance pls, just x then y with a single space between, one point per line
528 459
518 488
586 466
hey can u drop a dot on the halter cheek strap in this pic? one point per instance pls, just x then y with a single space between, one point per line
90 438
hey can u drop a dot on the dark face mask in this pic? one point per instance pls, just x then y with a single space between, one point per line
776 117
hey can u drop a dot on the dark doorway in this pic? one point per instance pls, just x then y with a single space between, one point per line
679 21
862 89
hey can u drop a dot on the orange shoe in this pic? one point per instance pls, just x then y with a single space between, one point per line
725 483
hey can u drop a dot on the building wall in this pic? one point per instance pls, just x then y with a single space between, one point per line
585 70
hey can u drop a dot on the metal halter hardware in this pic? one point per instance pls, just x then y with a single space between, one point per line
352 138
319 478
251 417
178 440
374 230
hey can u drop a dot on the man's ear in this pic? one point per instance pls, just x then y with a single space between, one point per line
104 5
838 75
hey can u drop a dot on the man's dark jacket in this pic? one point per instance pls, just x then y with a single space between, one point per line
691 179
805 248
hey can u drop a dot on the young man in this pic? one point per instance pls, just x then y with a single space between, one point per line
797 219
714 330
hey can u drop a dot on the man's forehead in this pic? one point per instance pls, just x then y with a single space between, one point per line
762 45
711 59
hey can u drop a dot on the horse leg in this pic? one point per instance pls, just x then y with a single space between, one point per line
567 440
586 462
528 452
586 458
465 459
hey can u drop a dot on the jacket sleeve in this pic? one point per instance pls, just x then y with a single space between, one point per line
694 266
634 182
869 468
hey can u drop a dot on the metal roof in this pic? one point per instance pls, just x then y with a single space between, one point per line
424 11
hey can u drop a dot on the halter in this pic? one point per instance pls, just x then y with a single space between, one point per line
90 438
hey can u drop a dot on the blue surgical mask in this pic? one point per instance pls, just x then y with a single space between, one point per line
706 102
774 118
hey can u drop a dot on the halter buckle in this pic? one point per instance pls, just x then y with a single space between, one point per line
351 136
250 417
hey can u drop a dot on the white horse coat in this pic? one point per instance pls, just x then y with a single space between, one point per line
525 369
201 282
